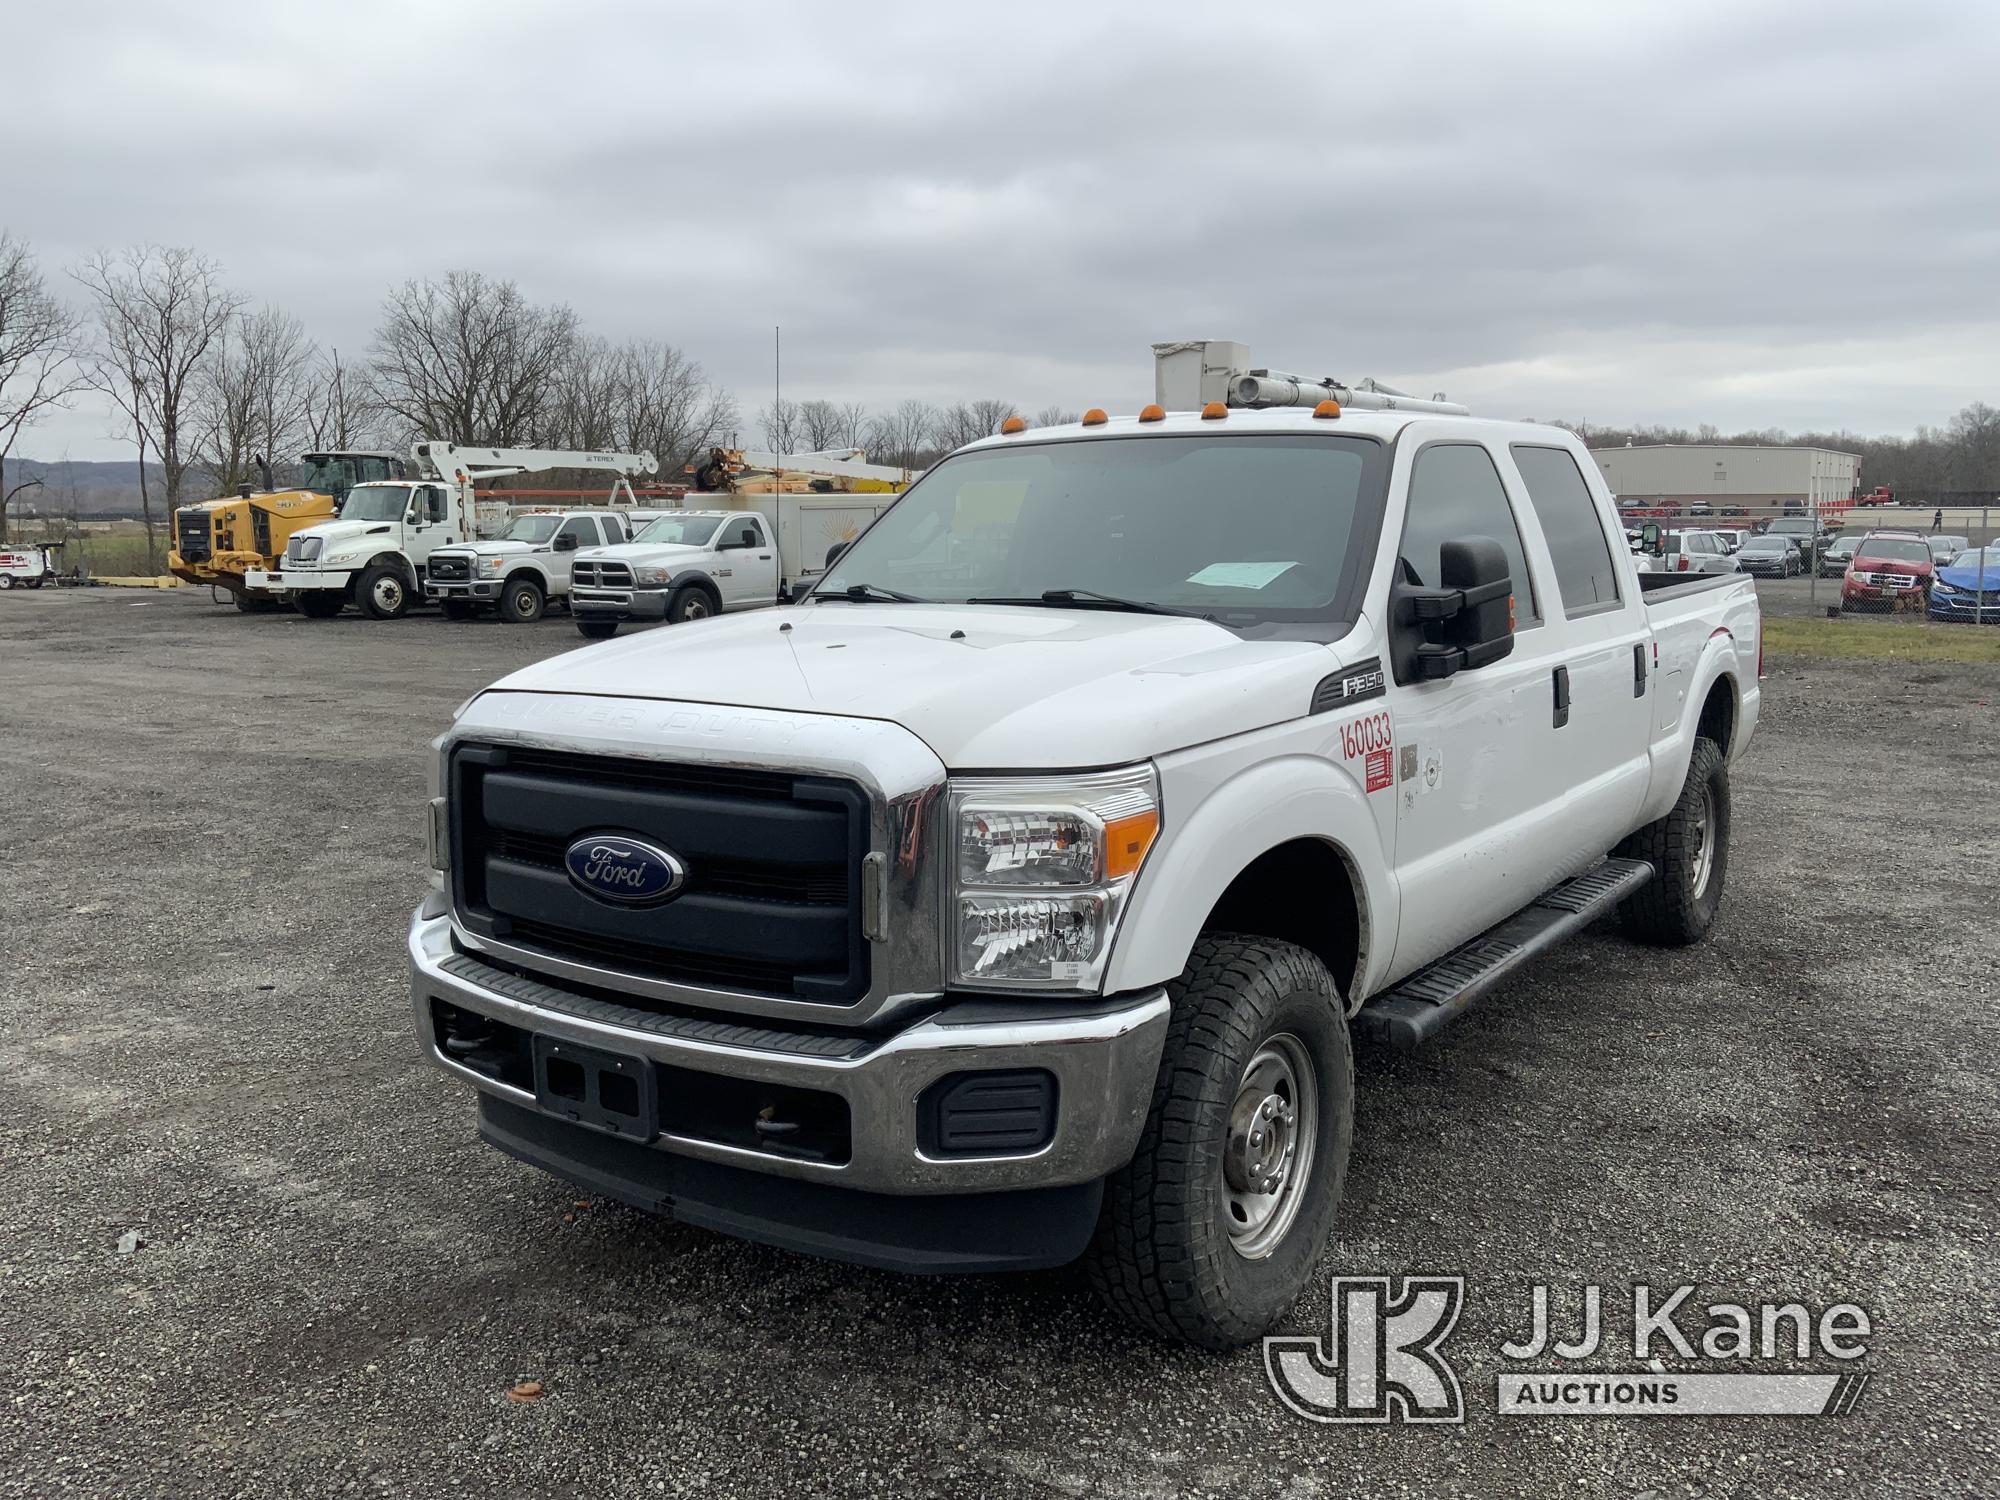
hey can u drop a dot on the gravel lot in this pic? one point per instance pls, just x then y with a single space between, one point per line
212 829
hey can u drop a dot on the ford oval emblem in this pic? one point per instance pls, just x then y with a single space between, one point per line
627 871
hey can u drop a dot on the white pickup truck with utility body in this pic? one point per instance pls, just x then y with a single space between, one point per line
520 574
685 565
1011 898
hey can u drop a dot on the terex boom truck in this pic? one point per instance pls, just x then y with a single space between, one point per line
220 542
377 553
1011 898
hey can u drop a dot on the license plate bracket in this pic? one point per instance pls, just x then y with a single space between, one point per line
615 1092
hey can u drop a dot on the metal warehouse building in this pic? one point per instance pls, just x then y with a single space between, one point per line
1675 474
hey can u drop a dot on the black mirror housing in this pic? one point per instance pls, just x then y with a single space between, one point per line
566 541
1465 623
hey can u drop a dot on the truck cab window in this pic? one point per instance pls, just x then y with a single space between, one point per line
583 528
744 534
1584 572
1455 492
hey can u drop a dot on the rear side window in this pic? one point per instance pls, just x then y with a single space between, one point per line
1455 492
1570 525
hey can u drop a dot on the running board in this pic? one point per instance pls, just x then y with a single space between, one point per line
1433 997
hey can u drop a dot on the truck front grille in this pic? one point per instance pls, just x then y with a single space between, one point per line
302 549
773 869
611 575
450 569
191 534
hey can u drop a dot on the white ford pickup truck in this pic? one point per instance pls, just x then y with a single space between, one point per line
1013 896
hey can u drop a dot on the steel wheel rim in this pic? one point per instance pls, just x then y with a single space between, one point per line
1702 829
697 609
1267 1157
526 605
388 593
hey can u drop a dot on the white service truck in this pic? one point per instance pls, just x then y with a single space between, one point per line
690 564
519 574
27 565
1012 897
376 554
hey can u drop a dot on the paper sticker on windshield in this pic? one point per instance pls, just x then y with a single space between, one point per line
1240 575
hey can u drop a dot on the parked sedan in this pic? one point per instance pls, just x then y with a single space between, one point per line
1770 556
1969 589
1945 549
1839 553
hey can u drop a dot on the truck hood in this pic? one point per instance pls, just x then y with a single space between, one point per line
500 547
333 533
1022 688
646 554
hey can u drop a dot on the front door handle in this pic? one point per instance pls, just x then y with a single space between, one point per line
1562 696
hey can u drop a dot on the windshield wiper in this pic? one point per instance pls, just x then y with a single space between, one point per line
871 593
1090 599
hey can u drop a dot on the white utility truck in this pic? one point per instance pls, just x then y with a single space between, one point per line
1012 897
519 574
27 565
377 553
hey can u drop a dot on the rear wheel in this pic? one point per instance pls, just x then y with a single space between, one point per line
597 630
318 604
690 602
384 592
6 580
1689 852
1212 1230
521 601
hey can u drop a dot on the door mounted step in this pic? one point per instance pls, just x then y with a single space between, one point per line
1433 997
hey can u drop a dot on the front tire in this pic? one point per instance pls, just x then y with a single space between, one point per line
384 592
522 601
1212 1231
1689 852
690 602
597 630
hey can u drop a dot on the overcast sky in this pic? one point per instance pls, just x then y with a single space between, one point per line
1750 214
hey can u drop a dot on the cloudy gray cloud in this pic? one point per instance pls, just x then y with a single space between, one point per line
1751 214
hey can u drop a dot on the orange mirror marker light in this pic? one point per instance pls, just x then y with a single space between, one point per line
1013 425
1214 412
1094 417
1153 413
1327 409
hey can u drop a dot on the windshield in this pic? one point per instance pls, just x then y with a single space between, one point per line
1973 561
326 474
533 528
375 502
1882 550
1270 531
1790 525
680 531
1767 544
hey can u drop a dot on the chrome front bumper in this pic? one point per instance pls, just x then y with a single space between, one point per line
1104 1059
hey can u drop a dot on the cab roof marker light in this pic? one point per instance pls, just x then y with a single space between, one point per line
1013 425
1327 409
1095 417
1153 413
1215 411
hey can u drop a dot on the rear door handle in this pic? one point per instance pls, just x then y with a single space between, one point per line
1562 696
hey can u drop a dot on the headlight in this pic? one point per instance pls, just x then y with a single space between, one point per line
493 564
1043 869
651 577
1941 587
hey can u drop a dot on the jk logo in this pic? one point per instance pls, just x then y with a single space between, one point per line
1381 1362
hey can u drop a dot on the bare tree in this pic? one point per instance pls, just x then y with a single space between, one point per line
969 421
667 406
470 360
1054 416
160 310
905 437
38 341
340 406
853 429
782 426
823 425
253 395
589 387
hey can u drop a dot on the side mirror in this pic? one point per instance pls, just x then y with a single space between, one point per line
833 553
566 541
1465 623
1652 540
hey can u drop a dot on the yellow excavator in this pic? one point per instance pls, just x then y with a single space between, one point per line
219 542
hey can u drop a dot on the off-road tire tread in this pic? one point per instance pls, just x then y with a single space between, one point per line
1144 1261
1664 913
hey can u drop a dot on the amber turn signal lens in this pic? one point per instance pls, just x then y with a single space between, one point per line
1327 409
1095 417
1126 841
1153 413
1013 425
1214 411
